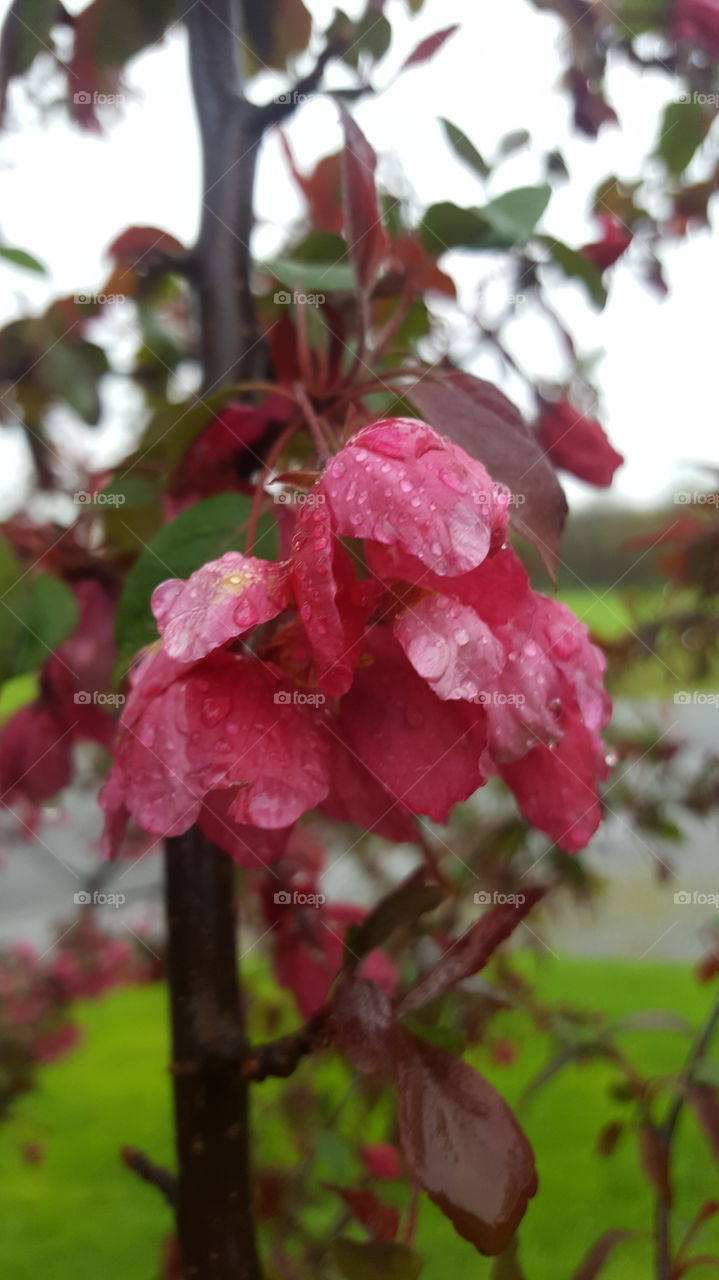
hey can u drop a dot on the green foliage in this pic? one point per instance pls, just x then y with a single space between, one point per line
79 1213
36 616
684 128
21 258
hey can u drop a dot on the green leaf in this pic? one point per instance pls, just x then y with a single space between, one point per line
512 142
312 277
464 148
50 617
70 371
576 267
370 36
684 128
36 616
514 215
203 532
375 1260
126 27
20 258
16 693
643 15
447 226
706 1071
442 1037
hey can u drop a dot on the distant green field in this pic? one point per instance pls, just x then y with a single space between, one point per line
79 1215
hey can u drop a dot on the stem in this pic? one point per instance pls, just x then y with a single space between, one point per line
214 1202
662 1216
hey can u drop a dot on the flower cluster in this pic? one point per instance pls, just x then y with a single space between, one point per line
397 657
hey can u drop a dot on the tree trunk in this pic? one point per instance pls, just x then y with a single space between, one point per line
214 1203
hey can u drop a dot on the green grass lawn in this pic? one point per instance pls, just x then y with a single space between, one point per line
79 1215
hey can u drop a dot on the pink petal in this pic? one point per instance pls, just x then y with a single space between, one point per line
399 483
556 789
450 646
218 603
425 752
324 585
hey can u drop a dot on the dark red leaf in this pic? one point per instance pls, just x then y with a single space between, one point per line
708 1210
363 1025
487 425
704 1101
599 1254
411 899
470 953
462 1144
654 1160
427 48
135 246
380 1220
363 224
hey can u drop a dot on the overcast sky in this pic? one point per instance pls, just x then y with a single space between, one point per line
64 195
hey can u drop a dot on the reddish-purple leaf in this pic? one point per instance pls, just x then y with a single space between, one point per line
362 220
489 427
363 1024
462 1144
600 1253
427 48
705 1102
701 1260
470 953
654 1157
708 1210
404 905
380 1220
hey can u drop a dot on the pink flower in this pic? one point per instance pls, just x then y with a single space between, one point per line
577 444
399 483
376 683
615 241
696 22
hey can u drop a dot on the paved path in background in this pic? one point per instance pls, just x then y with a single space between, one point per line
635 915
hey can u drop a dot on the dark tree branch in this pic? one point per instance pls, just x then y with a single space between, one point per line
214 1195
146 1169
281 1057
666 1132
